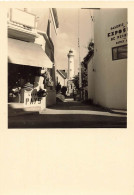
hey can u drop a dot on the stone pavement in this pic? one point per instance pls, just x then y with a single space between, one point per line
70 114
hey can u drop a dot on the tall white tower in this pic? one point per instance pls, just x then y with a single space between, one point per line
70 65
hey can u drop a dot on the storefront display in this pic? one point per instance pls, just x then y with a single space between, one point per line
29 72
25 85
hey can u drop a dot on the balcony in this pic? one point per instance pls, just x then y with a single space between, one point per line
22 25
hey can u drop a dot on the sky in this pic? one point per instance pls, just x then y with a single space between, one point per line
67 37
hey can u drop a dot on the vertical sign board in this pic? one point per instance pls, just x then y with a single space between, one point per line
31 99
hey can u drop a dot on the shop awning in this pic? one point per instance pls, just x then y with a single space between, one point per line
27 53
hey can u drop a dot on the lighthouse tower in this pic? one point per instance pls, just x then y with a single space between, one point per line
70 65
70 84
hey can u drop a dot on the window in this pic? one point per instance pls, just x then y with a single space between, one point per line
119 52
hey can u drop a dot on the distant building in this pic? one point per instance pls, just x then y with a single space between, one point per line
61 77
107 70
31 63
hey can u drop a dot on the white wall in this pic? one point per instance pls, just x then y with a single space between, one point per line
42 18
62 81
110 76
71 66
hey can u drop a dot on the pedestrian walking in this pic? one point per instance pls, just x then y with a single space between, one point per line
74 94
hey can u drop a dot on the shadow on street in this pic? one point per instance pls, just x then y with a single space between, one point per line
67 121
68 114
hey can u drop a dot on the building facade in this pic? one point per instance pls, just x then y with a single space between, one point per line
107 70
31 64
61 77
47 25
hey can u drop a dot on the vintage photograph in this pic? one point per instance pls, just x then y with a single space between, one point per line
67 68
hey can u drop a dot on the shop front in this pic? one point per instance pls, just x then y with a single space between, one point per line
27 65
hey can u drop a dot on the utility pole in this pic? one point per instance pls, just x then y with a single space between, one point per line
80 85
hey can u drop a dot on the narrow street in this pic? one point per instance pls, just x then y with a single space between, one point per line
65 85
69 114
43 66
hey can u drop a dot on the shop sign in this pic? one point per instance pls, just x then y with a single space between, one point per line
118 33
31 99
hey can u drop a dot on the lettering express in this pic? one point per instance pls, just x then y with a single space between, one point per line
117 32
